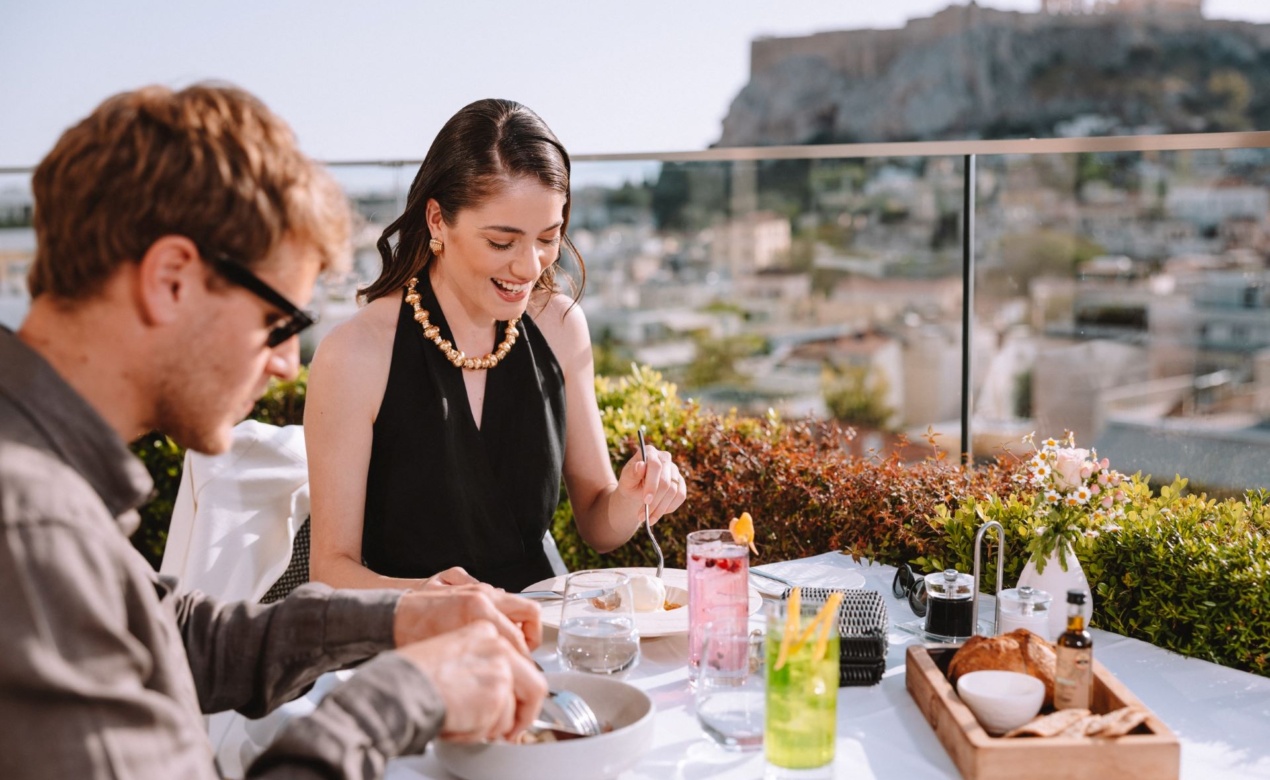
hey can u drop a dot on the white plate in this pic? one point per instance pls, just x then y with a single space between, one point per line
660 623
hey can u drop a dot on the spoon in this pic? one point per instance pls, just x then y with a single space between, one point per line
648 526
557 595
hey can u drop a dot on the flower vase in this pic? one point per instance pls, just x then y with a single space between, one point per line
1056 582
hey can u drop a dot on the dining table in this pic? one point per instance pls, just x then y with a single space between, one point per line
1220 715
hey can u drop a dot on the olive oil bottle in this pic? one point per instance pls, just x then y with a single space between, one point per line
1074 676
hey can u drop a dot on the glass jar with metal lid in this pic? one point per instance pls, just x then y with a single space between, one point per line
1025 607
950 604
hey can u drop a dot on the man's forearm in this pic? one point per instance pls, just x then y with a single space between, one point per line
252 658
388 709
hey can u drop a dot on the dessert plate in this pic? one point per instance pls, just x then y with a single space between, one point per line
649 624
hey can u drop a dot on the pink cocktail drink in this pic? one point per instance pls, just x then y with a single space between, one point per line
718 586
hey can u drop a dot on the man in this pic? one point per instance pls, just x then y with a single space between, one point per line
176 233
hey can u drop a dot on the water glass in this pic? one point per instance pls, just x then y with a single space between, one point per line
729 690
718 586
802 695
597 623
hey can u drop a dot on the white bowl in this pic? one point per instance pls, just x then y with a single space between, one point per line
625 708
1001 700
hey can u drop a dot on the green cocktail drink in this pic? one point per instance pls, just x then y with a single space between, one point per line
802 695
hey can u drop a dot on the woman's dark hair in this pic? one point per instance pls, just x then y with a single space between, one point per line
483 146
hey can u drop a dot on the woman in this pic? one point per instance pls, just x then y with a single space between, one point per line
421 458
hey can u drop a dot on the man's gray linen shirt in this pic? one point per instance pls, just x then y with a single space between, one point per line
106 667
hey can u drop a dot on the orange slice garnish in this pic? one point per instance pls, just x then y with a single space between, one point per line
742 529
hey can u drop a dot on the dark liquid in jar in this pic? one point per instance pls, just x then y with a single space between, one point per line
949 618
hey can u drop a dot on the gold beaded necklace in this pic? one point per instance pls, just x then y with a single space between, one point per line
455 356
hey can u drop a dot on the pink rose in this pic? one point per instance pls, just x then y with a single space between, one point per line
1068 465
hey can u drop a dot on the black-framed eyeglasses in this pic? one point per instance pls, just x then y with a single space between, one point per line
294 318
912 586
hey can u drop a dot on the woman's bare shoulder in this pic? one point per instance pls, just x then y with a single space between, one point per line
563 324
557 311
362 344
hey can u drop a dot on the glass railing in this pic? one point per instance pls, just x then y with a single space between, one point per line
1118 287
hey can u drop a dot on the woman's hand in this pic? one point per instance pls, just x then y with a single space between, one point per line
455 575
655 482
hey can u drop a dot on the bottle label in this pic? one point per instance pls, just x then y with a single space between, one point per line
1073 678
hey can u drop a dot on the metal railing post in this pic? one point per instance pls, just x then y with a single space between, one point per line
967 301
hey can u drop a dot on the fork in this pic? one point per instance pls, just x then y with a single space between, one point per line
569 712
648 526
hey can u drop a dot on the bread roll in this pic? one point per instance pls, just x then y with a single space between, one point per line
1018 651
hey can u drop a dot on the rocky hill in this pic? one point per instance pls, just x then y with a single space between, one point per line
972 72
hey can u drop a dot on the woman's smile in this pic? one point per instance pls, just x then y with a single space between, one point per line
512 292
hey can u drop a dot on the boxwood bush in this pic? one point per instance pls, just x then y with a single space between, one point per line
1181 571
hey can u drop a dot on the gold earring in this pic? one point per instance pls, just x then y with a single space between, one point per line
435 245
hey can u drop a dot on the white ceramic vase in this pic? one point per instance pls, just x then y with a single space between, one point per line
1056 581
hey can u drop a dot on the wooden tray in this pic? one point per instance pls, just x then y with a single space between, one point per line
1150 751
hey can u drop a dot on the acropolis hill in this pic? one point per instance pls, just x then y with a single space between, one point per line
974 72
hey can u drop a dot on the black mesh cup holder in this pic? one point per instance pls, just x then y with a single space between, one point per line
911 586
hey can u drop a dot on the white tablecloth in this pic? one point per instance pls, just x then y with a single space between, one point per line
1221 716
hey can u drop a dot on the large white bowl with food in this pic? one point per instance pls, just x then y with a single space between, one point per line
625 709
1001 700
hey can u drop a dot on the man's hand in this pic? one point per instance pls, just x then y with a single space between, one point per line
422 614
491 691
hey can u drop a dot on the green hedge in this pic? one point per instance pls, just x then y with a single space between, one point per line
1182 571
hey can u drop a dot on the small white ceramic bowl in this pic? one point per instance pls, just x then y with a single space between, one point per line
625 708
1001 700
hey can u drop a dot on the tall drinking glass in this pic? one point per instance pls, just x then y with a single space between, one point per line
729 693
718 586
597 623
802 694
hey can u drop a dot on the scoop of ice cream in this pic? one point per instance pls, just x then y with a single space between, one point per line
648 592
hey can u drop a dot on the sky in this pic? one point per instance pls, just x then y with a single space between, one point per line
375 79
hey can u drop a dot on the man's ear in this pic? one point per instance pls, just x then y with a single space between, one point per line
167 275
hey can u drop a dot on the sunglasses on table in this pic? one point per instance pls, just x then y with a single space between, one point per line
911 586
294 318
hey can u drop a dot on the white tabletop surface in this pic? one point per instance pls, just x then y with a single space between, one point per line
1220 715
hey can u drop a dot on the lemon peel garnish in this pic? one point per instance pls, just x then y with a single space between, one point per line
792 610
792 640
824 618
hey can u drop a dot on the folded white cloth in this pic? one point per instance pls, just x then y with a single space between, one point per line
237 514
